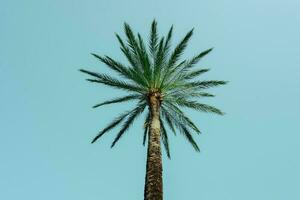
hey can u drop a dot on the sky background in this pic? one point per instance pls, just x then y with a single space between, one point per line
47 123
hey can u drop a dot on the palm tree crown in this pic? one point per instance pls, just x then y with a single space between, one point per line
154 69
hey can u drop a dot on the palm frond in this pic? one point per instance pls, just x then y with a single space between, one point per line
197 106
197 58
159 61
138 59
183 130
195 73
131 40
200 94
168 40
131 57
190 138
136 46
119 100
110 126
145 61
206 84
165 140
146 132
192 86
153 39
180 116
180 48
121 69
178 73
167 75
168 119
136 112
187 94
108 80
146 127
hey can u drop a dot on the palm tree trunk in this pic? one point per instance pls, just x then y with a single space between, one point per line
153 180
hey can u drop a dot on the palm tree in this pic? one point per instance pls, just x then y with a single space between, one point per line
162 85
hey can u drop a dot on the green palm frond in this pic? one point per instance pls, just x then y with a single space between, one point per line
181 71
134 114
135 54
167 45
179 115
182 127
110 126
195 73
146 127
127 52
171 66
146 132
206 84
197 106
190 95
145 61
160 59
200 94
124 71
108 80
165 140
115 66
131 40
119 100
153 39
168 119
192 86
190 138
138 49
197 58
180 48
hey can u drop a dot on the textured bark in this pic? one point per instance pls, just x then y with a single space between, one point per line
153 180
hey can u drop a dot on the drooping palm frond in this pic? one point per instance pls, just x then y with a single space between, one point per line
173 110
110 126
165 140
182 126
152 66
146 127
134 114
190 138
168 119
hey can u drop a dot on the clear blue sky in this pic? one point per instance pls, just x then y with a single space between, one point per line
47 121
